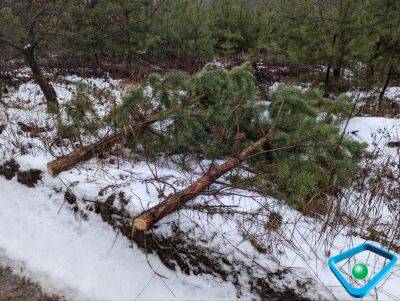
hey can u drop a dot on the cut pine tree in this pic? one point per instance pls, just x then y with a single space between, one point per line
175 201
87 152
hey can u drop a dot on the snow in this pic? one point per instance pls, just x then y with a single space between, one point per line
393 93
376 131
40 237
86 260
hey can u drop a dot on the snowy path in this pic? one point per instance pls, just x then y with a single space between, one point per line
85 260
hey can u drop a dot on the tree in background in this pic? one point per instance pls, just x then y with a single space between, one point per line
109 28
313 32
25 26
183 30
378 45
234 25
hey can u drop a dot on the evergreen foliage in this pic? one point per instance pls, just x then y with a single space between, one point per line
215 113
360 36
213 106
313 159
82 118
183 29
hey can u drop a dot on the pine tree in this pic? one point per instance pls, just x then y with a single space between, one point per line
217 114
311 157
25 26
234 25
378 44
313 32
183 27
108 28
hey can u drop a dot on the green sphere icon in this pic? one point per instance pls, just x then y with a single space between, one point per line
360 271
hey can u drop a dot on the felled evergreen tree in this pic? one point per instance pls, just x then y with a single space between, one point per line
213 108
215 113
310 156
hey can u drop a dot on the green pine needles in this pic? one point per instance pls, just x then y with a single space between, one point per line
310 157
202 115
216 113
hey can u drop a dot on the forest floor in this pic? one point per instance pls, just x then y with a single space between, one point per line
73 237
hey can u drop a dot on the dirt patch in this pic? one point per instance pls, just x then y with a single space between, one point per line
388 108
15 288
9 169
29 177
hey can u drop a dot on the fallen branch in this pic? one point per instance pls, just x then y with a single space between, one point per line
87 152
175 201
393 144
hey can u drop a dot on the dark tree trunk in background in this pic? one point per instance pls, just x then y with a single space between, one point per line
328 70
336 71
47 89
326 81
382 94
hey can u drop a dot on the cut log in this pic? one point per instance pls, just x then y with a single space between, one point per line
174 201
393 144
85 153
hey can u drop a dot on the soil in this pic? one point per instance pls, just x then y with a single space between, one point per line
15 288
29 177
9 169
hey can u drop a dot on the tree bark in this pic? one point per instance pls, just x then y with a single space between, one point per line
382 94
393 144
336 71
326 82
174 201
85 153
47 89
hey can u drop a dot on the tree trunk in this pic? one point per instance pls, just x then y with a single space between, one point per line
85 153
47 89
328 70
393 144
336 71
326 82
382 94
174 201
338 66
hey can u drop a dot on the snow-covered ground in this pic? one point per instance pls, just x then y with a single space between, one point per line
42 238
86 260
